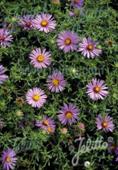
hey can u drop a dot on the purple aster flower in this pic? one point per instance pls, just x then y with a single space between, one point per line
68 41
89 48
46 124
97 89
3 76
9 159
5 38
36 97
77 3
68 114
40 58
56 82
44 22
26 22
105 123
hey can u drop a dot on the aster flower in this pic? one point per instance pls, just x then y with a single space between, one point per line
40 58
68 114
89 48
46 124
5 38
3 76
26 22
9 159
56 82
97 89
36 97
105 123
67 41
77 3
44 22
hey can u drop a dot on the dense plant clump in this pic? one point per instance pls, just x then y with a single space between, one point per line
58 84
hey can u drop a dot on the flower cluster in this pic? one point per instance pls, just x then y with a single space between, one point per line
47 124
67 40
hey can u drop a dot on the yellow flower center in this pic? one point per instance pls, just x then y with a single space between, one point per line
69 115
45 123
40 58
55 82
49 129
8 159
36 97
67 41
44 23
96 89
104 124
90 47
